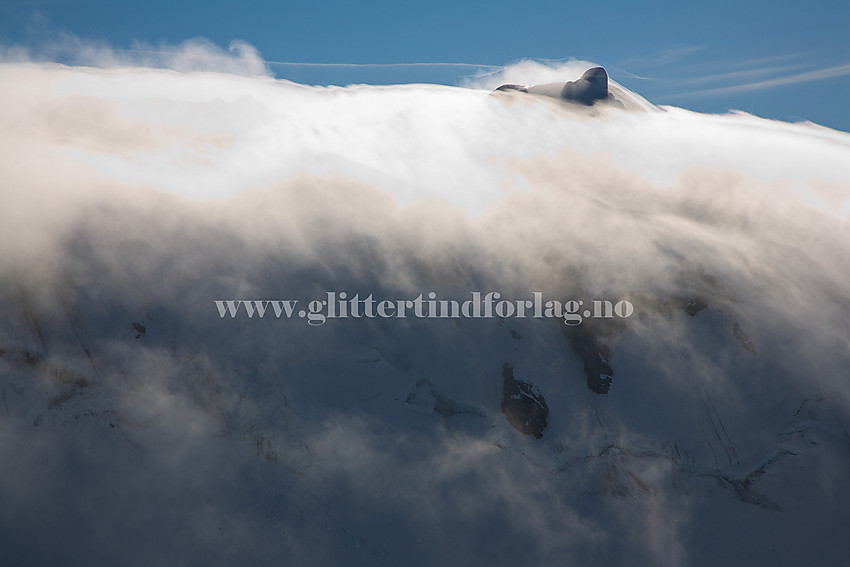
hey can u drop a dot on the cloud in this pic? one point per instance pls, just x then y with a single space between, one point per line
663 57
747 73
134 196
193 55
781 81
383 65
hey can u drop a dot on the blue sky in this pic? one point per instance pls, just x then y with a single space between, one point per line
785 60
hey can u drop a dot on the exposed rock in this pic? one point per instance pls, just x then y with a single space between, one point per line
742 336
140 329
693 305
523 405
594 355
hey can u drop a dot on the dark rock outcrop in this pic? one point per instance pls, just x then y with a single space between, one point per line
523 405
595 356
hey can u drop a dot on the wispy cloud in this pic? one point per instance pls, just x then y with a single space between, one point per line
746 73
759 61
382 65
816 75
707 71
664 57
197 54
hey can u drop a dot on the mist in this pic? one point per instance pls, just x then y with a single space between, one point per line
140 426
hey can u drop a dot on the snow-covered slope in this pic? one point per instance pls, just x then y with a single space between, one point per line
140 426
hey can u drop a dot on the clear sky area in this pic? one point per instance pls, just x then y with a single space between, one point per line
784 60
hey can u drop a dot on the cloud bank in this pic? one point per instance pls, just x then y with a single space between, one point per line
133 197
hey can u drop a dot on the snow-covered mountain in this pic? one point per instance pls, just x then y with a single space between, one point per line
140 424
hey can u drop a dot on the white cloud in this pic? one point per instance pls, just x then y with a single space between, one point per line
193 55
142 194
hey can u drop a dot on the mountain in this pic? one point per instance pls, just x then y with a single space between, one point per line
691 410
